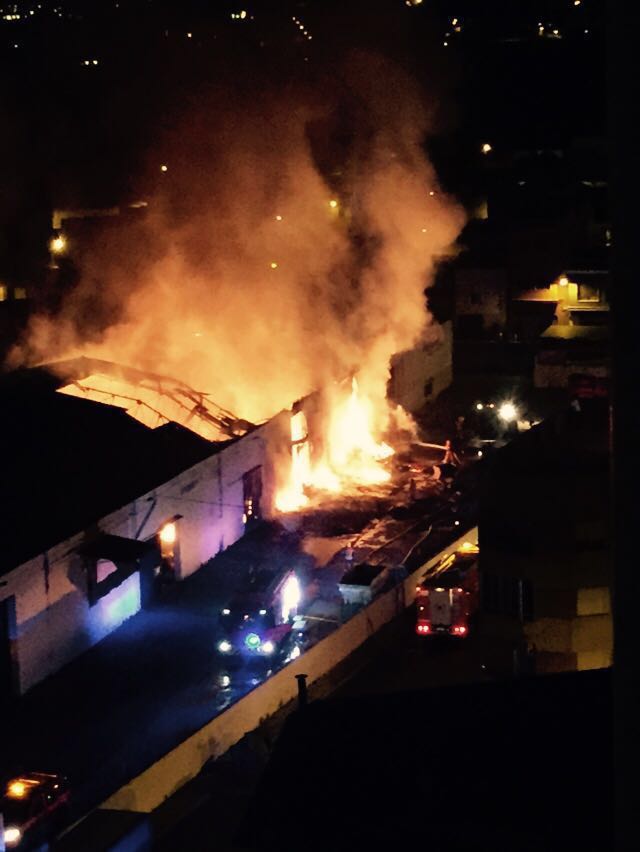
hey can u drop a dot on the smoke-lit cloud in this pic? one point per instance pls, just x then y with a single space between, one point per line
243 280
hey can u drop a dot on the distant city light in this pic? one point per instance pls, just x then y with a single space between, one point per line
424 230
189 35
164 168
273 264
278 218
333 204
479 406
563 281
431 192
486 148
576 2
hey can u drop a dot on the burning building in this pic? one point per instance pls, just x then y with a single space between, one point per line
101 499
253 277
116 479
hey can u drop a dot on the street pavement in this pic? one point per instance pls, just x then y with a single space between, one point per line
144 689
394 659
120 706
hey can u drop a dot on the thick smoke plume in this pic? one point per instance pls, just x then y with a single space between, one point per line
244 281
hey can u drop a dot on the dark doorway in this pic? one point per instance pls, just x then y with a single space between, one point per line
8 650
252 495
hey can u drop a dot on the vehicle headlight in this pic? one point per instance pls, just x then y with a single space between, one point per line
224 646
12 835
226 611
267 647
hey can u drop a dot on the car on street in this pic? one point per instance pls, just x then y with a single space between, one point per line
34 806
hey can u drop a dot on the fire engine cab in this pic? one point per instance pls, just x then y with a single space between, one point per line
448 595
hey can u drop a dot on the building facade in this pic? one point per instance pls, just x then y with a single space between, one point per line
68 597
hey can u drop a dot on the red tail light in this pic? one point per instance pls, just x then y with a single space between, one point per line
459 630
423 628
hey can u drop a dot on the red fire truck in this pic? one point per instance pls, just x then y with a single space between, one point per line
448 594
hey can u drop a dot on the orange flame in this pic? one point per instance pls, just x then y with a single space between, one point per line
352 458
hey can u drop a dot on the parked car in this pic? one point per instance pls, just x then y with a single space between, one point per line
34 805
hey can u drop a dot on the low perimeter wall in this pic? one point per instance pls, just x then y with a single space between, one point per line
149 789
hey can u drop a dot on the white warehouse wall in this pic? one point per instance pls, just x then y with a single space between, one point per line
54 620
422 373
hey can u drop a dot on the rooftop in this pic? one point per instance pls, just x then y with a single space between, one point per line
67 461
509 765
586 333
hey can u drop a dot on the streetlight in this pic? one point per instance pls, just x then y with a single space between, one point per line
508 412
486 148
58 244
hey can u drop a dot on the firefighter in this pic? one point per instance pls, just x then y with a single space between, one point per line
348 554
450 457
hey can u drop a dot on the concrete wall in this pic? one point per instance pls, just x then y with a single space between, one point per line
162 779
422 373
54 620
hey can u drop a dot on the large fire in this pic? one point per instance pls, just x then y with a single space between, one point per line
352 458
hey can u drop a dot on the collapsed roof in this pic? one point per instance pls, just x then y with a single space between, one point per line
152 399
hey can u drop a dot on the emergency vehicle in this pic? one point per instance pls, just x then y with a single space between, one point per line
33 806
448 595
257 623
